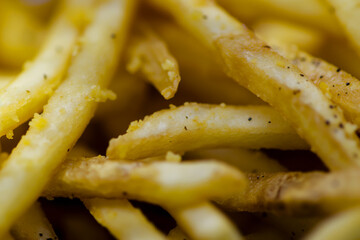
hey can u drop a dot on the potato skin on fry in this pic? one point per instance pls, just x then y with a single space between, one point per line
194 126
297 193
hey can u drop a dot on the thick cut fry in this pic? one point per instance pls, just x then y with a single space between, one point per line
69 110
244 159
149 55
193 55
122 219
298 193
156 182
338 85
274 79
177 234
313 13
203 221
348 13
33 224
195 126
28 93
344 225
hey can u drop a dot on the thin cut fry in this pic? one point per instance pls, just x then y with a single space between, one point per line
274 79
344 225
312 13
348 13
122 219
244 159
69 110
28 93
203 221
156 182
195 126
149 55
33 224
297 193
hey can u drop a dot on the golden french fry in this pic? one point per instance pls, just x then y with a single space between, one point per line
6 78
122 219
244 159
30 90
195 126
297 193
69 110
274 79
177 234
33 225
279 32
149 55
203 221
344 225
193 55
313 13
348 14
156 182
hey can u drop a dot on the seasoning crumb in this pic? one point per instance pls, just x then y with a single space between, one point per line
327 122
331 106
341 125
338 70
249 119
185 128
269 121
296 91
288 67
267 46
347 84
302 75
321 76
187 117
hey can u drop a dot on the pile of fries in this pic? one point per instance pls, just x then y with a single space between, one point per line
238 118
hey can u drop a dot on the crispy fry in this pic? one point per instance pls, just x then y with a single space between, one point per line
192 55
344 225
177 234
244 159
156 182
348 13
69 110
195 126
122 219
33 224
28 93
149 55
203 221
297 193
313 13
254 65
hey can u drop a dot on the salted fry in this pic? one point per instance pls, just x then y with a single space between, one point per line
203 221
67 113
32 225
156 182
274 79
244 159
122 219
149 55
28 93
297 193
344 225
313 13
195 126
191 55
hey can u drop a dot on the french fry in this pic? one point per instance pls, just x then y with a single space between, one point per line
279 32
6 78
177 234
195 126
32 225
67 113
203 221
122 219
297 193
156 182
28 93
244 159
8 236
313 13
193 55
274 79
149 55
344 225
348 14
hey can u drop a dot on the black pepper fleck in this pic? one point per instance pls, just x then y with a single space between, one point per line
288 67
269 121
249 119
40 234
296 91
185 128
341 125
327 122
338 70
331 106
302 75
347 84
321 76
267 46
